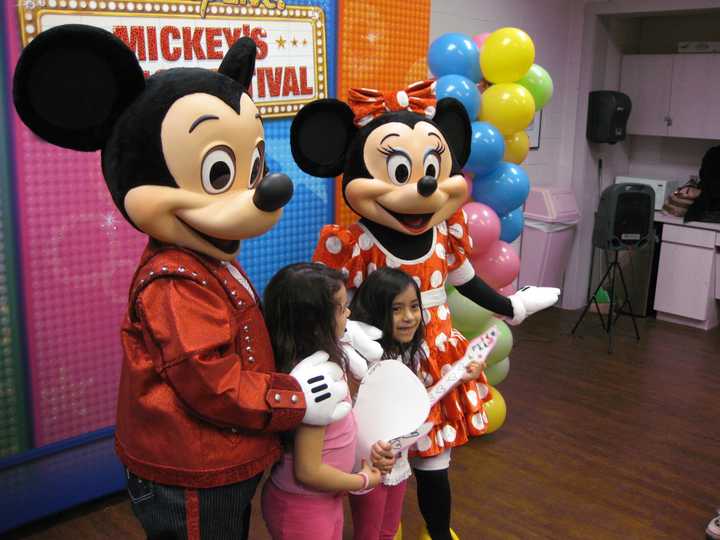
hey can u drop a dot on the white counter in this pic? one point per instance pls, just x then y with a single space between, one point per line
661 217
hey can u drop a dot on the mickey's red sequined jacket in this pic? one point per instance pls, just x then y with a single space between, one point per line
199 402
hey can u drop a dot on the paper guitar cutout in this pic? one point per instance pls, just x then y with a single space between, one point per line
392 404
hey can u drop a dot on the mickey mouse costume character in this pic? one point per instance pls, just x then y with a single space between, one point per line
183 157
401 156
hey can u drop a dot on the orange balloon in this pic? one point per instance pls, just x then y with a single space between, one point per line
517 147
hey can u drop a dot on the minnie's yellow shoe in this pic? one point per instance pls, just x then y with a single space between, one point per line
424 535
398 534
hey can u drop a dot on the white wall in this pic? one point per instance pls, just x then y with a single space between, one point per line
667 158
550 25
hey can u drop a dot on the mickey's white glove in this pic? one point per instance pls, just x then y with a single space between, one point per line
325 389
529 300
360 338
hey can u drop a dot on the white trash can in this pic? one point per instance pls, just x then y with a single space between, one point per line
551 216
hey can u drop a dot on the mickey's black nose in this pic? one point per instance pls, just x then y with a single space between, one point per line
273 192
427 186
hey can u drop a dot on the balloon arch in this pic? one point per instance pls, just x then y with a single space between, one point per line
494 76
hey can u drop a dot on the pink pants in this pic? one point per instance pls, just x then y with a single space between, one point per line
291 516
376 516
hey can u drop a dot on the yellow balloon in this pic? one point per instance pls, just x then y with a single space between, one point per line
495 410
517 147
508 106
506 55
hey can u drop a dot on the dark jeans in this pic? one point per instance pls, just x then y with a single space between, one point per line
171 512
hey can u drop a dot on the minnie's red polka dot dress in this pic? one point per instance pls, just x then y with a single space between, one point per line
356 253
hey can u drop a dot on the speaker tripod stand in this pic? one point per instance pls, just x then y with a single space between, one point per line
614 312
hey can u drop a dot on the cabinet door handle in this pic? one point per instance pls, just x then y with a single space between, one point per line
668 120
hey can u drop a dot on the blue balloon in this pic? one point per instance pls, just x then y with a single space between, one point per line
462 89
457 54
487 148
503 189
511 225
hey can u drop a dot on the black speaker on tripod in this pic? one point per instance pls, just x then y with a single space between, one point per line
623 221
608 113
624 218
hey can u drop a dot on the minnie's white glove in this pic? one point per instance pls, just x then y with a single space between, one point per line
325 389
361 338
529 300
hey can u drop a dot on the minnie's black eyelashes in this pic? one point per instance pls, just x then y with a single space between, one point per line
387 150
439 149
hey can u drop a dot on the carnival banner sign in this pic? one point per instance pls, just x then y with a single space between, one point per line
291 66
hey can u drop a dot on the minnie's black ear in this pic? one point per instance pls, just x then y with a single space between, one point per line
320 136
71 84
239 62
452 119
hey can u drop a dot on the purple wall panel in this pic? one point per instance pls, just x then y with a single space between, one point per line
77 258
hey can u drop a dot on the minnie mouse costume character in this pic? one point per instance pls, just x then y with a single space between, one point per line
401 156
183 157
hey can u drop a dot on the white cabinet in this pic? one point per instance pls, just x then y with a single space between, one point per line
685 290
695 96
646 79
676 95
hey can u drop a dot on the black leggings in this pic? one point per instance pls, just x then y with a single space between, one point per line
433 492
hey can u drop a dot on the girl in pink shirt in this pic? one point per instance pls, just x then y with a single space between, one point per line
306 309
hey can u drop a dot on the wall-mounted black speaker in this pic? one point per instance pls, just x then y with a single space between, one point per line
624 219
608 114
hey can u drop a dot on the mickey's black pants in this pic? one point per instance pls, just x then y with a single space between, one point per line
176 513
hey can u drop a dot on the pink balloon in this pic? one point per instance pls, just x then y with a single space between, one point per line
508 290
483 225
479 39
498 266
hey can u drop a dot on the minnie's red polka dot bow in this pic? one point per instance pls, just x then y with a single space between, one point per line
368 104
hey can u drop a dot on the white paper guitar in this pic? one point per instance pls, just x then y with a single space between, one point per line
478 350
393 405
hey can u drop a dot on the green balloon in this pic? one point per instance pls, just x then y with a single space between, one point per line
539 84
504 342
467 316
497 373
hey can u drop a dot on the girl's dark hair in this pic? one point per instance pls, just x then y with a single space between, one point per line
300 313
373 303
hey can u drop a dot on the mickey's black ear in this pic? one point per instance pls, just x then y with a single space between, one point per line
320 136
71 84
452 119
239 62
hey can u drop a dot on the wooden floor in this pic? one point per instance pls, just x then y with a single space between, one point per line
596 446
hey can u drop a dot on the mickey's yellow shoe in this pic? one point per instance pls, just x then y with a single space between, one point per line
398 534
424 535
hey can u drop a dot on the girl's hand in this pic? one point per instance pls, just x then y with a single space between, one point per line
473 371
374 475
382 456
